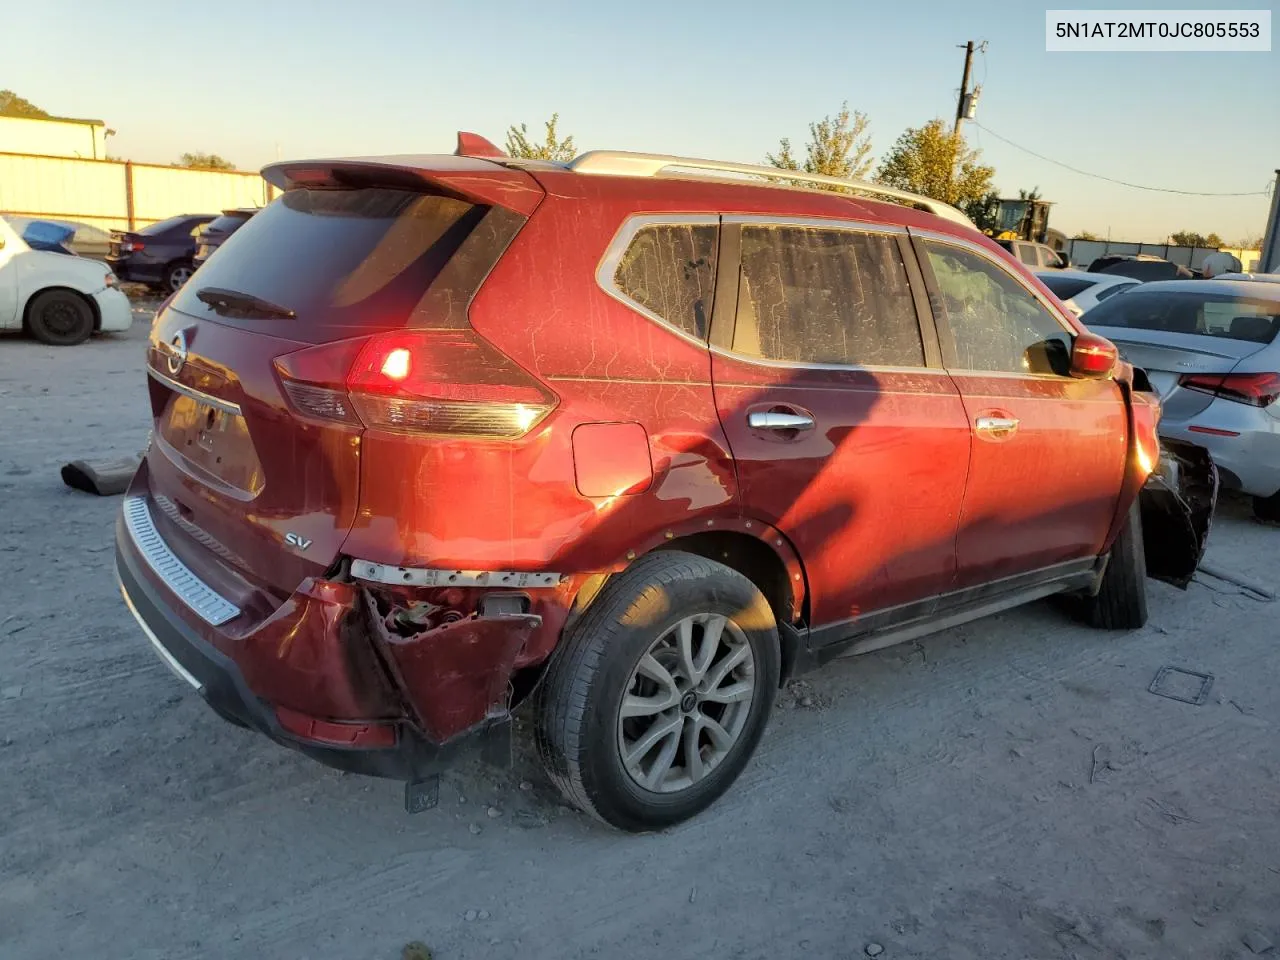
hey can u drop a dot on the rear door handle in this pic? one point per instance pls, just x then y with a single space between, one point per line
772 420
996 427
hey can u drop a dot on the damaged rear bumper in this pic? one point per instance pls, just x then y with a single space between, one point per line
442 693
1177 504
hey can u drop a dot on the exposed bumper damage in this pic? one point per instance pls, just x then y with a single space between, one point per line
1177 505
455 675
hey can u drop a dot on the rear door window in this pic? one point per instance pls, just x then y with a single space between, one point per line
1027 254
669 271
337 257
828 296
995 322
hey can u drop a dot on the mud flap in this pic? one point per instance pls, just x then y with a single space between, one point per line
1177 504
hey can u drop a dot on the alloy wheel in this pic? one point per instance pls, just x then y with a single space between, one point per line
686 703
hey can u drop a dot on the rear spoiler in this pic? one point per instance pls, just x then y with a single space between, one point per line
473 179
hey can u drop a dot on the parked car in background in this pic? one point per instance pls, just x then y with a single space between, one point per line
1209 349
1036 256
386 500
212 234
159 255
57 297
1259 277
86 240
1080 290
1140 267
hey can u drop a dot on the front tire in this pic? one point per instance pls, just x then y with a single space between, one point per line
60 318
658 696
1121 604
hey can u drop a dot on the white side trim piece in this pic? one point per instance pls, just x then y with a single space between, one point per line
208 604
170 661
426 577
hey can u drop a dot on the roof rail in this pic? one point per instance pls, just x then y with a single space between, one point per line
621 163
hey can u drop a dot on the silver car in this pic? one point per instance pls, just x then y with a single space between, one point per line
1209 348
1081 291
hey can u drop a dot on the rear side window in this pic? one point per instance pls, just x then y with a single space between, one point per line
1027 254
670 271
1185 311
1064 288
995 322
339 257
811 295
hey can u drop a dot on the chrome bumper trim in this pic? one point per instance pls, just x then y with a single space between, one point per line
209 605
425 577
168 658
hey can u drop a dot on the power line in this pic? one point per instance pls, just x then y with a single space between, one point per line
1123 183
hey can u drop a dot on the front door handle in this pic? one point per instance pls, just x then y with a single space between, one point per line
998 428
774 420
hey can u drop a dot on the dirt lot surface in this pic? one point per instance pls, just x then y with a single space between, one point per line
1006 789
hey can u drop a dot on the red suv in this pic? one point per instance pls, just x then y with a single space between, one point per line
627 437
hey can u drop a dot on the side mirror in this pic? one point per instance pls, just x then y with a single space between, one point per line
1093 357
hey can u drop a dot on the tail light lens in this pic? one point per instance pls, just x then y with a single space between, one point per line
132 246
417 381
1255 389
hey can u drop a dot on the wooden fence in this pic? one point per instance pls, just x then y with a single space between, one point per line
121 195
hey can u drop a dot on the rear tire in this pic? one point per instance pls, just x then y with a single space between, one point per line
690 649
1267 509
1121 604
175 275
60 318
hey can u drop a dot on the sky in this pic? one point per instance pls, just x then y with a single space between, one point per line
253 81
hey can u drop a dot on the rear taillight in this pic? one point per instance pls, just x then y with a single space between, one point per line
132 246
1255 389
420 381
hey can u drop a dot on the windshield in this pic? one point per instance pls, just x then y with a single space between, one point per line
1185 311
1064 288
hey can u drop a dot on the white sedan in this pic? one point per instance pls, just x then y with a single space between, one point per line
58 298
1080 290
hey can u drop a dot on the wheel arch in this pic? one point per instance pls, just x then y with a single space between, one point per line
753 548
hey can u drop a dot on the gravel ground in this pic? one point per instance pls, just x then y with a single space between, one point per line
1006 789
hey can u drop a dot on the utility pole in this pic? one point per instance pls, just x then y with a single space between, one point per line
964 88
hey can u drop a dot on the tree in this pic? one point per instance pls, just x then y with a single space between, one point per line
838 147
12 105
1251 241
204 161
1087 235
1032 194
932 161
1189 238
553 148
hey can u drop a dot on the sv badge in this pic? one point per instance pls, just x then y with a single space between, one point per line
297 540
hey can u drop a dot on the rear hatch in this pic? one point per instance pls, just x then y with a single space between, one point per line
254 458
1184 339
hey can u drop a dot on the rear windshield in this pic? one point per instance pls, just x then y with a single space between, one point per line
338 257
164 226
1064 288
225 224
1185 311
